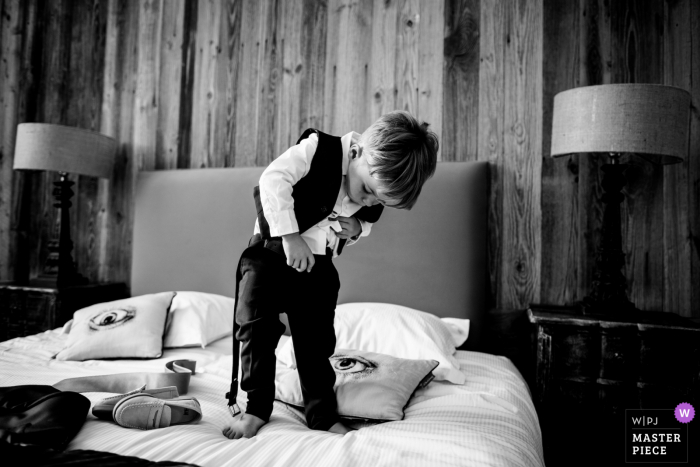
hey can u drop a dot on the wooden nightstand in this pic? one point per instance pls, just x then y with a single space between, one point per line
28 310
590 368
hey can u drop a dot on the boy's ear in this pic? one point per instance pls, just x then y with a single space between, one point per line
355 151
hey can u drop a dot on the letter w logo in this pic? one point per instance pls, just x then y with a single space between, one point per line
685 412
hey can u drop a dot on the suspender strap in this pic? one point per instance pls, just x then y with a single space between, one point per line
178 373
233 390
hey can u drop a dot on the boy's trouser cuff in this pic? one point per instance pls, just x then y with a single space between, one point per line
259 412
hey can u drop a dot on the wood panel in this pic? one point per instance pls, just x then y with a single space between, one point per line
88 29
694 167
560 181
677 68
461 108
511 140
637 55
169 84
492 40
13 17
221 83
116 196
522 163
348 52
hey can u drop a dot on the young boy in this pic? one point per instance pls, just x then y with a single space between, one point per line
312 200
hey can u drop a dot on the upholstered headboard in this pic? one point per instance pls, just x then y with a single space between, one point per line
191 226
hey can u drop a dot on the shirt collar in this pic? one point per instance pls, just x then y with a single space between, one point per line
346 141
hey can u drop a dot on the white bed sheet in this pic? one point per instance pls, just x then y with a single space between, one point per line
488 421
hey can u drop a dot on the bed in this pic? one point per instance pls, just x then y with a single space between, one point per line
189 230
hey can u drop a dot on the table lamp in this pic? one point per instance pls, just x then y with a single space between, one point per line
65 150
646 120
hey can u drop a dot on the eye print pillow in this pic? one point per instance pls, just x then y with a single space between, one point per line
128 328
368 385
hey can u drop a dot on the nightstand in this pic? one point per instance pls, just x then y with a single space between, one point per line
590 368
28 310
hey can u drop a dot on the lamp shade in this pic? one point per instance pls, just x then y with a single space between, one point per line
648 119
42 146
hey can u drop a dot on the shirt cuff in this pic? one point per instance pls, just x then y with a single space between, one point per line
282 223
366 229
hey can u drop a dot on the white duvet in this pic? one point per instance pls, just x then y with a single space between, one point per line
488 421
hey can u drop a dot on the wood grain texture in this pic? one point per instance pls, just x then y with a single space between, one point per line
205 97
189 55
637 48
676 190
522 165
408 38
595 63
431 73
247 108
314 31
147 80
560 208
84 111
116 197
694 165
52 107
492 38
215 78
269 88
382 70
169 84
10 47
12 21
461 109
348 52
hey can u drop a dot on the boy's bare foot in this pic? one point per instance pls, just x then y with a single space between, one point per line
245 426
340 429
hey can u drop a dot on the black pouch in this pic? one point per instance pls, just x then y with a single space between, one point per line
41 415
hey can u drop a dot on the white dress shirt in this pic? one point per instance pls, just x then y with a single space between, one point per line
276 185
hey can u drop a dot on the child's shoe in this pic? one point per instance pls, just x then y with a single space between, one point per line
146 412
104 409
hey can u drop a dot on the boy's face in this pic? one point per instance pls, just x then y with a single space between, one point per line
363 189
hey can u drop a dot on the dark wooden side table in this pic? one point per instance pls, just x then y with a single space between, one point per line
590 368
28 310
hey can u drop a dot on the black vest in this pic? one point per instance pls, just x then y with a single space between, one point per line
316 193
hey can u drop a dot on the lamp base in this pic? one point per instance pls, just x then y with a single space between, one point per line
608 291
59 269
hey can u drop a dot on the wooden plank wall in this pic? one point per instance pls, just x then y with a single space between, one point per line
222 83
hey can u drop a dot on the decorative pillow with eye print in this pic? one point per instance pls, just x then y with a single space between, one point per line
128 328
368 385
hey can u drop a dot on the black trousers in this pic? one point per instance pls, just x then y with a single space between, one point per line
267 287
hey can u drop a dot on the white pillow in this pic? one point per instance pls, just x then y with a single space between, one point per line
128 328
368 385
459 329
393 330
197 319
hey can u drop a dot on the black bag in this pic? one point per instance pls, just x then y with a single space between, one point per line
41 415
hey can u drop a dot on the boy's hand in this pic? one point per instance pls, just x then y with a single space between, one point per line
298 253
351 227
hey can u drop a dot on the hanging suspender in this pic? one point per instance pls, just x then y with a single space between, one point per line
233 390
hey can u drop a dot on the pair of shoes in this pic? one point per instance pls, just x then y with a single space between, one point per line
146 412
104 409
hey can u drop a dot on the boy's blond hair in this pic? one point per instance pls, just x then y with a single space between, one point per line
402 156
